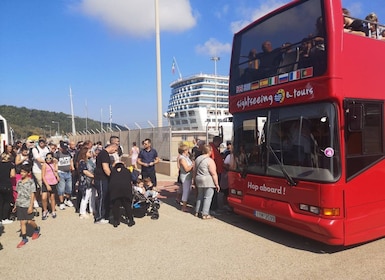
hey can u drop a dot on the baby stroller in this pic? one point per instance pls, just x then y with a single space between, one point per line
145 206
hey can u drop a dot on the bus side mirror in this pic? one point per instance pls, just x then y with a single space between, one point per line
355 117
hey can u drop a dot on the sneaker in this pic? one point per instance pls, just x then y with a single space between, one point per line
6 222
84 216
215 213
68 203
53 215
22 243
44 215
102 222
62 206
36 233
131 223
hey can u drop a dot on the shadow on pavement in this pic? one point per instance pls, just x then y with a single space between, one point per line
168 191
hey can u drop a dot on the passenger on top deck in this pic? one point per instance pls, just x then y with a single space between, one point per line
351 25
371 28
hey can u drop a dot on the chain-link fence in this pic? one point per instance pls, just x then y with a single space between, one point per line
163 139
160 138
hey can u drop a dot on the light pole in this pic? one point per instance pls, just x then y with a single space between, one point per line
169 115
158 65
215 59
58 127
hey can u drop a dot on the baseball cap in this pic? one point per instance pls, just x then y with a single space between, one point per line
64 145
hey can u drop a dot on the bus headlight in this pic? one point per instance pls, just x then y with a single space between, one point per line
319 211
314 210
304 207
236 192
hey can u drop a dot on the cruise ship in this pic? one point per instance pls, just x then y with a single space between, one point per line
200 103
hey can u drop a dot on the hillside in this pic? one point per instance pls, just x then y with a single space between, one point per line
26 122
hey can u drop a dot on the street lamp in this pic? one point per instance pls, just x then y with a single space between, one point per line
215 59
169 115
58 127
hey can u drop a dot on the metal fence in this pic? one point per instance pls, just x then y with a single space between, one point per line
160 138
163 139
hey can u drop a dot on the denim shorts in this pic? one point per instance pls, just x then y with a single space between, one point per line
65 184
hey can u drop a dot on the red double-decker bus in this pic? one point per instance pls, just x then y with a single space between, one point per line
308 117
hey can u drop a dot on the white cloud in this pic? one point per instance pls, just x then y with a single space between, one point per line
222 12
213 47
251 15
137 17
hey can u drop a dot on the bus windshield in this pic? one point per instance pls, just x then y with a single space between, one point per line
281 44
298 141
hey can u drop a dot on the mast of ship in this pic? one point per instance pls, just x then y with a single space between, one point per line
175 64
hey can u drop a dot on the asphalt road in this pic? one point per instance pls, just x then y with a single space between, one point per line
180 246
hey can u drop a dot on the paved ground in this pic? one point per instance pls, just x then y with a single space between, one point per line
180 246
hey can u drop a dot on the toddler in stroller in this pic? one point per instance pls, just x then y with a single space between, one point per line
145 200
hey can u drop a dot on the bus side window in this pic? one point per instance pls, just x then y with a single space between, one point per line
364 135
355 126
355 117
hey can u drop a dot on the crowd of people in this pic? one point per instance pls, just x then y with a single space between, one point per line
91 179
204 172
87 177
369 27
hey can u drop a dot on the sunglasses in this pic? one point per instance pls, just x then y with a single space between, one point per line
48 158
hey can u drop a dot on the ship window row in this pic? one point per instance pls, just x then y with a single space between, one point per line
196 104
201 93
201 97
204 80
211 87
192 106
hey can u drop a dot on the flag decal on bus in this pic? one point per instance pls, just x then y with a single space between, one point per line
264 83
247 87
273 80
255 85
294 75
283 78
307 72
239 89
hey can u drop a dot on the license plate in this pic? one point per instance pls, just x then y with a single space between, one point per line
264 216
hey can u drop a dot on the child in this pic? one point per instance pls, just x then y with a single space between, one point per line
150 189
26 189
152 195
139 186
50 178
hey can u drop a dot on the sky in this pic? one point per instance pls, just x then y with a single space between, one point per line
105 51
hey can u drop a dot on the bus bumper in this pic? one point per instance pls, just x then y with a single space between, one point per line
280 214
